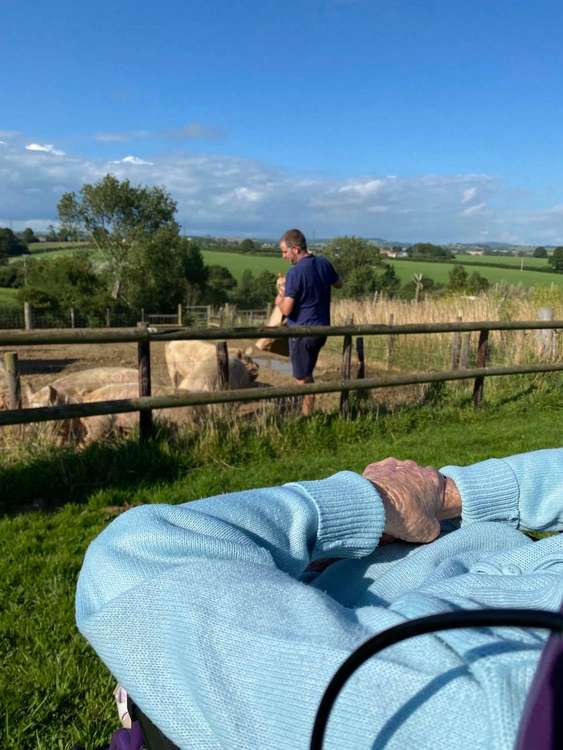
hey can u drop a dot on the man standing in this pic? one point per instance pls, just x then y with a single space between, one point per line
305 301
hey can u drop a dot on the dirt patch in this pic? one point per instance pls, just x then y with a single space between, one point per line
40 365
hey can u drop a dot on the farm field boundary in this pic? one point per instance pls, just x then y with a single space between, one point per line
143 336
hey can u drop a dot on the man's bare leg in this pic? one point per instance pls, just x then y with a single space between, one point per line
309 400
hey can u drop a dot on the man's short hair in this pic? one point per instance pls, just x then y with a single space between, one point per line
295 238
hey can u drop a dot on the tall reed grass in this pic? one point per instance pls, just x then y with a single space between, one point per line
434 351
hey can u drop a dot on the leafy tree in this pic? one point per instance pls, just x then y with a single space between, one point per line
116 215
457 279
556 259
540 252
477 283
364 282
163 271
10 244
255 291
425 284
28 236
11 275
248 246
357 263
428 250
51 235
220 283
58 284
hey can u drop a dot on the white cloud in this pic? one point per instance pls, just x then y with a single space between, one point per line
46 148
468 195
369 187
3 143
232 195
478 208
137 161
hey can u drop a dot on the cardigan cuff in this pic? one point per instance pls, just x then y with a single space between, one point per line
489 491
351 515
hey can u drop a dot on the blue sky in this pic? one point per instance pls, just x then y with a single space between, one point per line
406 119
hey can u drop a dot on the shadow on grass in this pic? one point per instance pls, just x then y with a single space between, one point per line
57 476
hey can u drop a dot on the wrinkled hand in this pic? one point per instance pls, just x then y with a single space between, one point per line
415 498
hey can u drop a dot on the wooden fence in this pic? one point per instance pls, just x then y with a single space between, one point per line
143 335
29 318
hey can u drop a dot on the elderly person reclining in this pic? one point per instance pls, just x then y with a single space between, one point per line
210 615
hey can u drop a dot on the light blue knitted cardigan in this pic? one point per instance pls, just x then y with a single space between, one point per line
202 612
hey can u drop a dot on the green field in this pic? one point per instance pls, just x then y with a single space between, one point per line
237 263
439 272
8 297
55 692
508 260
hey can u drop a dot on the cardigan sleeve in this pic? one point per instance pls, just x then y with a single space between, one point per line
524 490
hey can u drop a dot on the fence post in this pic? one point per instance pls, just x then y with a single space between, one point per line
144 364
13 380
180 315
482 351
222 366
27 316
72 318
361 371
456 347
546 336
209 313
142 314
464 356
108 317
390 344
346 374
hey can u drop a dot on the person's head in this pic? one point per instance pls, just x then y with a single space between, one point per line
293 245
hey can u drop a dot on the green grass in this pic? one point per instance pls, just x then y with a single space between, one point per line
508 260
8 297
55 692
439 272
238 263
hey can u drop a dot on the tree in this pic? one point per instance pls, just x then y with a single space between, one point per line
220 284
10 244
61 283
540 252
457 279
28 236
426 286
476 284
556 259
428 250
357 262
248 246
115 215
255 291
163 271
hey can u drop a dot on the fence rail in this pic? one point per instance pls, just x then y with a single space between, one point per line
143 335
97 408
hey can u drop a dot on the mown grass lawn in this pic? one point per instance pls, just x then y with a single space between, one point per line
55 693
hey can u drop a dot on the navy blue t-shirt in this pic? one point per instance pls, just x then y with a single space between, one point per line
308 282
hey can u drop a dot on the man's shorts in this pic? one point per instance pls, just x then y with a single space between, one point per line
304 353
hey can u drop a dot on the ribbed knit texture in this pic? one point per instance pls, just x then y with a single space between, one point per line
201 612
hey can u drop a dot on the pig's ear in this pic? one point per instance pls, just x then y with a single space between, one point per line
28 393
239 354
